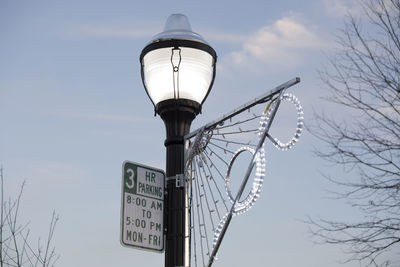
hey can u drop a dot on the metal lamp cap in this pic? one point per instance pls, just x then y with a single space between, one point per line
178 27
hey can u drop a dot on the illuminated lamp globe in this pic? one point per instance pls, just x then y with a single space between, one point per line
178 66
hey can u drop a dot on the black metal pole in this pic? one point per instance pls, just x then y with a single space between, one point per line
177 115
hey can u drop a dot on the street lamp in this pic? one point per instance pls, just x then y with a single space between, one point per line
178 70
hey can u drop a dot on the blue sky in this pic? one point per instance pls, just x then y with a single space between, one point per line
73 108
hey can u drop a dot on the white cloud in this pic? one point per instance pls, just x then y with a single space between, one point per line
281 44
213 36
114 32
340 8
284 43
106 117
133 32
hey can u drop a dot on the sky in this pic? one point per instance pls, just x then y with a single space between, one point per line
73 109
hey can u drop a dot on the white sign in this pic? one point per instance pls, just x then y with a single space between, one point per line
142 211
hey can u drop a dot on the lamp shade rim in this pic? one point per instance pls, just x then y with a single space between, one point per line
175 43
181 103
178 34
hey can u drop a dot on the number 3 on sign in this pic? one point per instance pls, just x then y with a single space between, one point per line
130 178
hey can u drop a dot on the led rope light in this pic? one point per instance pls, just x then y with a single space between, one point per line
218 231
248 202
300 118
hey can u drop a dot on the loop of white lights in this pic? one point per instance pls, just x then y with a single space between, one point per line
300 122
248 202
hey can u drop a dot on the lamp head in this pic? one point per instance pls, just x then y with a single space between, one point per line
178 64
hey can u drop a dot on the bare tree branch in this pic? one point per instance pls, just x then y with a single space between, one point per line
15 247
364 81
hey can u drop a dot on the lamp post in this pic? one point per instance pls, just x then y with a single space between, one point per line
178 70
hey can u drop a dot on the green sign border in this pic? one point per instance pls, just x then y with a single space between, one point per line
123 190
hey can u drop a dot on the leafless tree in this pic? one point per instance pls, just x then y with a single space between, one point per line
15 248
363 78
